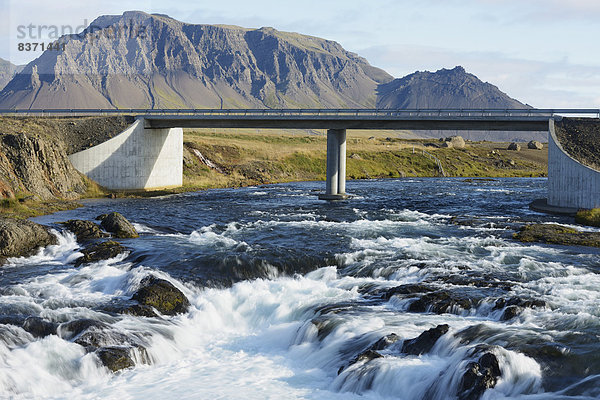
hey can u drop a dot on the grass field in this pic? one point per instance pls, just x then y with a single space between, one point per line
248 157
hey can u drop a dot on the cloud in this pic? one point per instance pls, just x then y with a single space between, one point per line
543 84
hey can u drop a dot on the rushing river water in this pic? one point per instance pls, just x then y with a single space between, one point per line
286 291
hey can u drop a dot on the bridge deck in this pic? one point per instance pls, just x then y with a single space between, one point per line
410 119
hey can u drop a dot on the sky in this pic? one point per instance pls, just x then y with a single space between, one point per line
545 53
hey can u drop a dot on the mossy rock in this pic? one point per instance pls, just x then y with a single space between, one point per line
162 295
557 234
116 358
588 217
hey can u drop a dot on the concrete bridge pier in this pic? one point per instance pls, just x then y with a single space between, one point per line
336 166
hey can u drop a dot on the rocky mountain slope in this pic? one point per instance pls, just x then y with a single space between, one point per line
7 72
446 88
140 60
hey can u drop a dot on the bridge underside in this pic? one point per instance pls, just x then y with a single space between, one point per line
506 123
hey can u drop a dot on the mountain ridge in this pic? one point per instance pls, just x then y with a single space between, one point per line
140 60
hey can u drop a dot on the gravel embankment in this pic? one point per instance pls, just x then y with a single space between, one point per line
580 137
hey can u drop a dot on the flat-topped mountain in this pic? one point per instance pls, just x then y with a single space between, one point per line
140 60
446 88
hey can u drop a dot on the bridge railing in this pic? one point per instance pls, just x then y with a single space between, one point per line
308 112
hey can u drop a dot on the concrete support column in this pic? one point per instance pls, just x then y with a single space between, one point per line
341 141
333 157
336 165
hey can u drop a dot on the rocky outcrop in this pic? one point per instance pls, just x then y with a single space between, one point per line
38 165
557 234
22 238
425 341
100 251
535 145
114 349
514 146
364 357
479 377
39 327
118 225
161 295
84 230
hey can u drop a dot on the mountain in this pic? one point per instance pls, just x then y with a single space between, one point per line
446 88
7 71
452 88
139 60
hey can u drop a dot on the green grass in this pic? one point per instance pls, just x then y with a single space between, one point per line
250 157
588 217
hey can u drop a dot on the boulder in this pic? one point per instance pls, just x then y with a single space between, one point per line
455 142
118 225
384 342
162 295
84 230
535 145
514 146
39 327
514 305
72 329
116 358
364 357
100 251
479 377
425 341
22 237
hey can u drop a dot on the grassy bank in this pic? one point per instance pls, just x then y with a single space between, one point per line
237 158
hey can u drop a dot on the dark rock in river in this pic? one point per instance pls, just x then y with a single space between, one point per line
70 330
139 310
118 225
116 358
425 341
39 327
84 230
557 234
479 377
514 305
22 237
364 357
384 342
162 295
442 301
100 251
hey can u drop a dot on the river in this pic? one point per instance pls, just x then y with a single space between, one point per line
286 291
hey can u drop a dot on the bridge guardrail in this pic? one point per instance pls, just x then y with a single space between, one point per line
459 112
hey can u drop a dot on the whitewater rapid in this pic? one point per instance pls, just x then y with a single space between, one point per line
299 295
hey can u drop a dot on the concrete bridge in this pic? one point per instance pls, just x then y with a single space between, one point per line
149 153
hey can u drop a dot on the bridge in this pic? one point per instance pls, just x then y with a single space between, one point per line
149 153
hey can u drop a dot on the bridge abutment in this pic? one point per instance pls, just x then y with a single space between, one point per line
571 185
136 159
335 187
